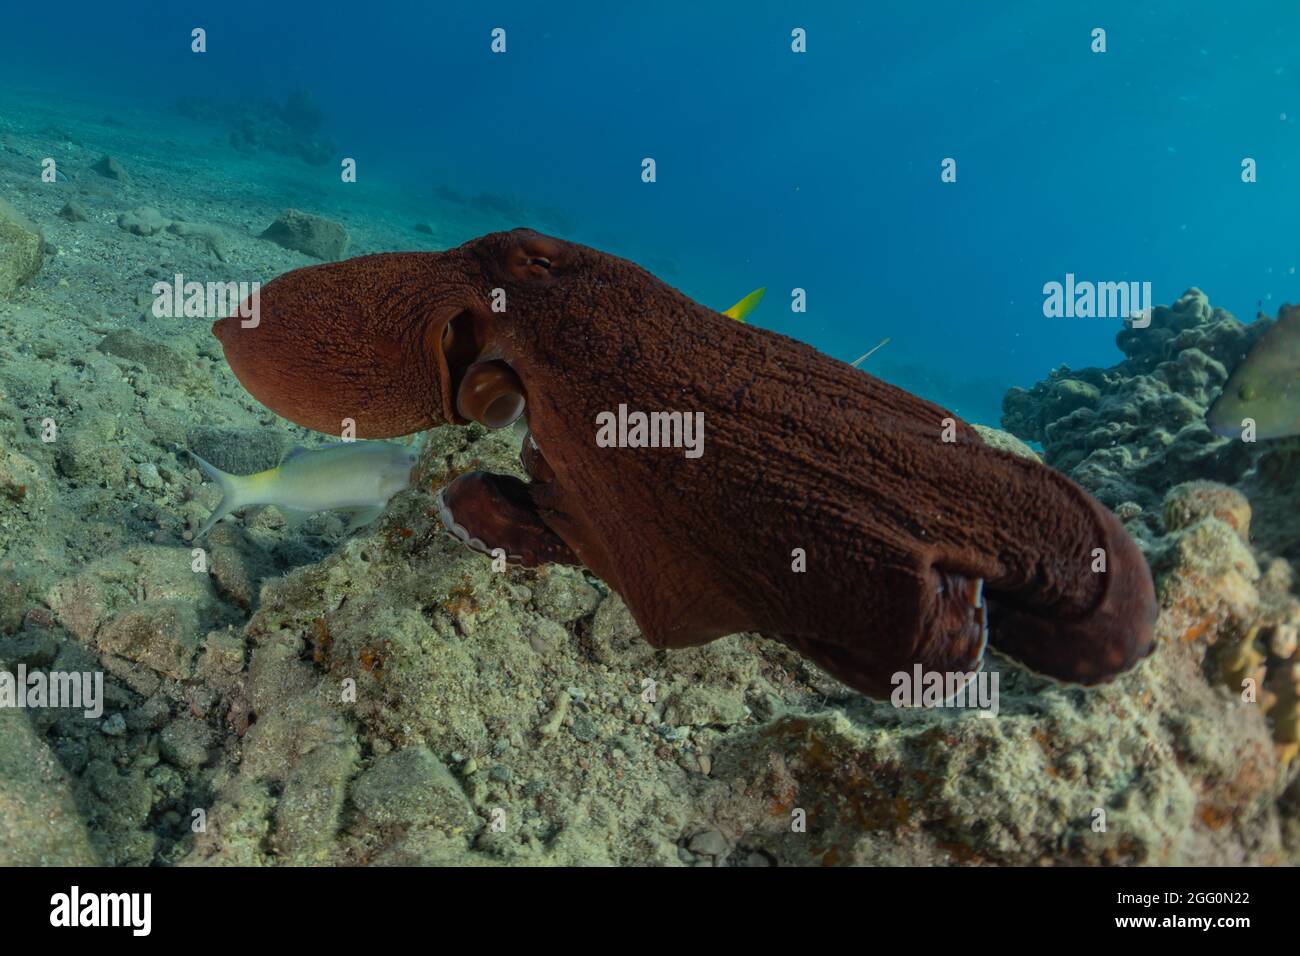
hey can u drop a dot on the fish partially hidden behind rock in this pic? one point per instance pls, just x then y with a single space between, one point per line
356 477
1265 387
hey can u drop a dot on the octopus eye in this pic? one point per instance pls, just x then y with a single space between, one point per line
531 258
1246 393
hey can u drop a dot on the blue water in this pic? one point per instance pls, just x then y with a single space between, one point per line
819 171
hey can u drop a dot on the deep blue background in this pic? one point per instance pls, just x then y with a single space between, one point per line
818 170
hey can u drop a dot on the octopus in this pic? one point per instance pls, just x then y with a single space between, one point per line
866 528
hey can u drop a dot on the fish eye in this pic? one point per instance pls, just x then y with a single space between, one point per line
1246 393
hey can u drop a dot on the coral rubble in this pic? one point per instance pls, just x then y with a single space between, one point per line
1135 434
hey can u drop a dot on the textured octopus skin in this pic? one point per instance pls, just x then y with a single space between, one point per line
915 533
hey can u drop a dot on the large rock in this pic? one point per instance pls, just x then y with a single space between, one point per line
1131 432
412 787
165 362
22 249
312 235
142 221
39 822
145 604
74 211
164 636
110 168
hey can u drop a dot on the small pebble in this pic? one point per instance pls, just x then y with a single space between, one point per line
584 728
709 843
114 726
148 475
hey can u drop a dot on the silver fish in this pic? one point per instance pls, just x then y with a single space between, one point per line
357 477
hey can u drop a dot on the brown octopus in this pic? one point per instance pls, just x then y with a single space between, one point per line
868 529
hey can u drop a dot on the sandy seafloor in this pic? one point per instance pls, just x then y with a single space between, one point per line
500 718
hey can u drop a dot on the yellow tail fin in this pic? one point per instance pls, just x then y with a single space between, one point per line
745 305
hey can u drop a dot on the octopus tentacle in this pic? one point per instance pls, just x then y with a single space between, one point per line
495 513
950 639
